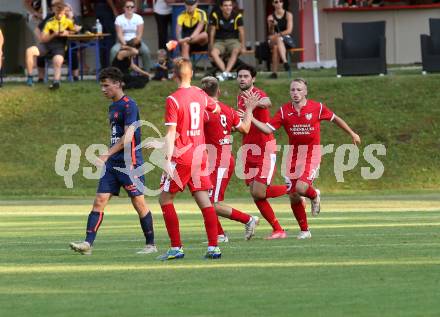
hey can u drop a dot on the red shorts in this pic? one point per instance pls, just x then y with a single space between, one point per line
186 175
220 178
261 171
304 170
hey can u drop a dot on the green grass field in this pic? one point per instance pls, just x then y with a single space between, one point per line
369 256
399 111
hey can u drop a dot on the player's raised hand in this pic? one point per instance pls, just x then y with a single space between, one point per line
356 139
241 113
251 100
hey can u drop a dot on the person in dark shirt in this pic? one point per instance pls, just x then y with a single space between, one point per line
280 25
125 62
226 38
121 170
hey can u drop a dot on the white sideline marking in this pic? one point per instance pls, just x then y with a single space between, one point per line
179 266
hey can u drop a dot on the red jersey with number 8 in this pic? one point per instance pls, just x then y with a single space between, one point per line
185 109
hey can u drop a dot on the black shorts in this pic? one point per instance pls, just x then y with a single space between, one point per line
52 48
198 48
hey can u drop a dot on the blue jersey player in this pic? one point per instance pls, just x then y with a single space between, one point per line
123 113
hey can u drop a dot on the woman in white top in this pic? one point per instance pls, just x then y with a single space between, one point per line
163 15
130 26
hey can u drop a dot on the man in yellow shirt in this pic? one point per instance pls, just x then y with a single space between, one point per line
52 43
191 29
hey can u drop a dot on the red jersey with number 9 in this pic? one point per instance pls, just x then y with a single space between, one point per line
185 109
218 128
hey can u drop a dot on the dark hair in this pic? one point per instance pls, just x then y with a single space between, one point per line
210 85
132 44
111 73
221 2
250 68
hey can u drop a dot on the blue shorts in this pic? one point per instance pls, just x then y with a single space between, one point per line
113 179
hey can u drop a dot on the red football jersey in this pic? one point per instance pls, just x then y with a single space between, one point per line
255 136
185 109
218 127
303 127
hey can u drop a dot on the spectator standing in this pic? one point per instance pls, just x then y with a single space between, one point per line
162 14
280 24
130 26
191 29
226 38
35 13
106 12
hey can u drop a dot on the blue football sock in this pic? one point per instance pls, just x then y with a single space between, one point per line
147 228
93 223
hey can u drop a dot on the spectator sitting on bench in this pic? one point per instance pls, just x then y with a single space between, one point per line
280 24
130 26
124 61
226 37
52 43
191 29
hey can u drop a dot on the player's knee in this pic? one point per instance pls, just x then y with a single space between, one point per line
295 197
258 194
99 202
301 188
164 200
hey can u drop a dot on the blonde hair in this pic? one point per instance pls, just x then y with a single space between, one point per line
300 80
182 68
210 85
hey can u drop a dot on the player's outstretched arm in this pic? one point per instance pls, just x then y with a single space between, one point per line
264 103
262 126
344 126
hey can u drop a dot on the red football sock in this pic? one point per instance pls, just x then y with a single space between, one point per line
268 214
311 192
172 224
276 191
220 230
239 216
210 218
299 212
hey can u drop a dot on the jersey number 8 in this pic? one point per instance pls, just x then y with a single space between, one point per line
194 108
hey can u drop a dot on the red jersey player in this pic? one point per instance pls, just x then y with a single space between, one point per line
218 128
301 119
184 141
260 156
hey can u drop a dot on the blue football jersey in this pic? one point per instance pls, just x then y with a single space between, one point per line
123 113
